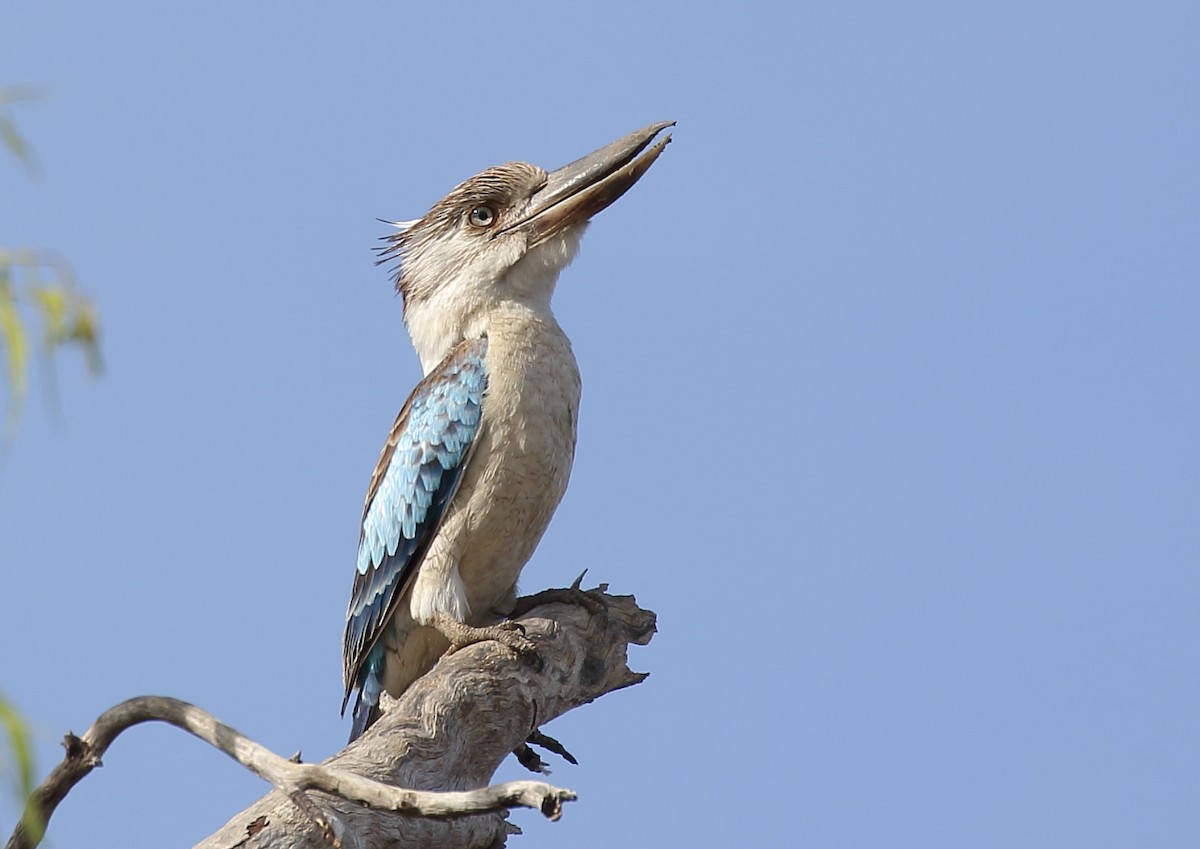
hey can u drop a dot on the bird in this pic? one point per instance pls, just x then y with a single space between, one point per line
479 456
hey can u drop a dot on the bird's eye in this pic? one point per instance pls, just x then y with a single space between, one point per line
482 216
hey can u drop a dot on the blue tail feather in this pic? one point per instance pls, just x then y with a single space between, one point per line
366 704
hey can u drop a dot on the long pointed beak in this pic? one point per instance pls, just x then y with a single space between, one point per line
576 192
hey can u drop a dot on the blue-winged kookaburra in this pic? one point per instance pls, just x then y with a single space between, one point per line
479 457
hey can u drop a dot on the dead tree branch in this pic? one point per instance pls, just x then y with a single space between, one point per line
443 739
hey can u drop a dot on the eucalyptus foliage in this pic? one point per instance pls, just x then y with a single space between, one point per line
37 290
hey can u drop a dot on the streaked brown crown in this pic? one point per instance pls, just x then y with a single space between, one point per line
505 188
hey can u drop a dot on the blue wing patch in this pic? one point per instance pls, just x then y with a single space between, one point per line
414 481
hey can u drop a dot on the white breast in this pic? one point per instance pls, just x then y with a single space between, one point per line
517 474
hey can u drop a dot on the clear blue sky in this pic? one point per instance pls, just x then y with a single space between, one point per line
891 400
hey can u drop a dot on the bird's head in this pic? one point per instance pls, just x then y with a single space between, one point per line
503 236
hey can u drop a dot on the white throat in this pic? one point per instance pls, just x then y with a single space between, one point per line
462 308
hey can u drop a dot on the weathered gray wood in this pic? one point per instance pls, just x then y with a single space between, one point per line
289 776
451 730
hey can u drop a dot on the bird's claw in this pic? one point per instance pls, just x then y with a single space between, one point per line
512 634
507 633
510 625
532 761
591 600
537 738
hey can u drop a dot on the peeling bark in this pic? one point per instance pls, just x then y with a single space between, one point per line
451 730
418 777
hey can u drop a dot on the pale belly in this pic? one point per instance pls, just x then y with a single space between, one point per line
513 483
510 506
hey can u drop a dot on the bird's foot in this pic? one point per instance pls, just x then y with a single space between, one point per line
532 761
461 635
593 600
537 738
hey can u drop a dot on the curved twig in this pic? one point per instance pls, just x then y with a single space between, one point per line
85 753
452 728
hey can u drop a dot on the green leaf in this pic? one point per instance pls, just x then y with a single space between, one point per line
85 330
52 301
9 134
12 137
20 742
12 93
16 347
